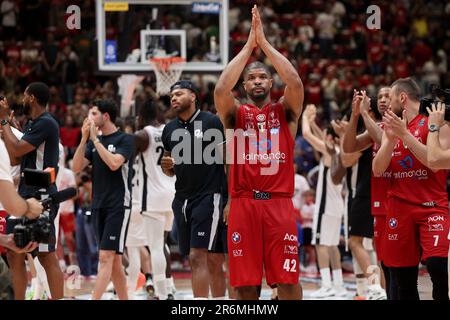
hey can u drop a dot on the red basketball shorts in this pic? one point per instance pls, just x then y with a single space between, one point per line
414 233
262 234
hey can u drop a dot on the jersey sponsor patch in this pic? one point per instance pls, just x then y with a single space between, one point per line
393 223
236 237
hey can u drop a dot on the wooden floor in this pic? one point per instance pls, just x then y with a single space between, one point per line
310 282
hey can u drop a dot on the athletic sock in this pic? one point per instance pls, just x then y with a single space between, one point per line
361 285
159 282
170 284
325 274
338 280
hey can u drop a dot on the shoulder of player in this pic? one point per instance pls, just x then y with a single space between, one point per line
171 125
46 120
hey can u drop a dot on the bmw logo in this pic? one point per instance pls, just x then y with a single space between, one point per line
393 223
236 237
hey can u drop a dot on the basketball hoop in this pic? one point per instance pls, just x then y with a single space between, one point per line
168 71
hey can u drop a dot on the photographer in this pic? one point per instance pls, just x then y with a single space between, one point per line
37 149
437 157
17 206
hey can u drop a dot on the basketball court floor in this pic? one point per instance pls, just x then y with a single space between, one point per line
310 282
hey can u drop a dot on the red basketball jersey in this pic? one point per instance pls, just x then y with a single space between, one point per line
262 152
412 181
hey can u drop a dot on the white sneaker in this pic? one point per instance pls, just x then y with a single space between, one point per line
131 295
376 294
323 292
172 289
340 291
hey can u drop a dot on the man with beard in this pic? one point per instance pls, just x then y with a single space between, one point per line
37 149
193 144
417 221
262 229
111 156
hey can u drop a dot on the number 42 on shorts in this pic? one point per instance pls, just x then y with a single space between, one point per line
290 265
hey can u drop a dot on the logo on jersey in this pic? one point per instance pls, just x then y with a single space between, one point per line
261 117
274 130
237 253
236 237
201 234
421 122
393 223
290 249
111 148
273 122
406 163
436 219
262 145
435 227
290 237
429 204
198 133
393 236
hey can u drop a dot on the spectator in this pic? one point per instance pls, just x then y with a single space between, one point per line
9 11
69 72
50 59
70 135
325 26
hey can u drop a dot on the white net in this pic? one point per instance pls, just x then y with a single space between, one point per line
168 71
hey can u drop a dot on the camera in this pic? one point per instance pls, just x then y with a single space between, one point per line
40 230
437 95
36 230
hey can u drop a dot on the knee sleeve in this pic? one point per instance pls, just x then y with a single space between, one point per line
406 280
437 268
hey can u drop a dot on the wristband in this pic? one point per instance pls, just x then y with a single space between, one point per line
96 140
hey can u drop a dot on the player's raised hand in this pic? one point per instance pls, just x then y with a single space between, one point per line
251 41
259 30
4 108
85 129
397 125
356 102
365 102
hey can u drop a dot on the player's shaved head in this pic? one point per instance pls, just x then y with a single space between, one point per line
256 65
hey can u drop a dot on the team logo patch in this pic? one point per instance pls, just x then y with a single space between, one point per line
236 237
237 253
111 148
274 131
436 227
261 117
290 249
198 133
421 122
406 163
393 223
